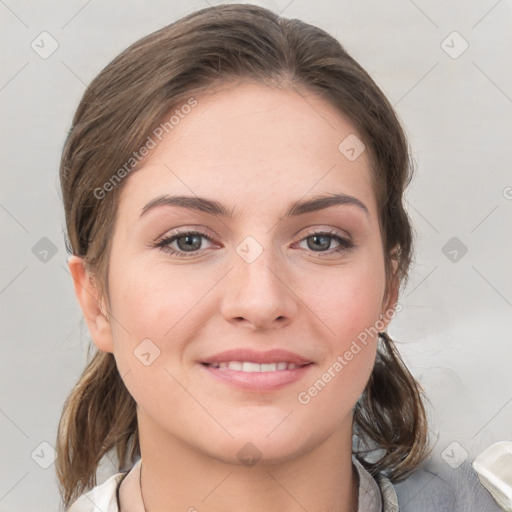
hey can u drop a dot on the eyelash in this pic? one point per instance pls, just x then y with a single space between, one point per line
345 244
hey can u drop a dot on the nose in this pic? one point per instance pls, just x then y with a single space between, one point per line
258 295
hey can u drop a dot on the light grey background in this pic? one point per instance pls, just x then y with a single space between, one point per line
455 329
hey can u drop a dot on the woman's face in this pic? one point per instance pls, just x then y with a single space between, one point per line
263 277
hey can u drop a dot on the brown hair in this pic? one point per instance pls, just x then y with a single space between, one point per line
119 110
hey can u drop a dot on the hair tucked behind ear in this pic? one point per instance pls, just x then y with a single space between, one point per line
390 413
119 112
98 415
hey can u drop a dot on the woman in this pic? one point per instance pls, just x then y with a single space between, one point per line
233 192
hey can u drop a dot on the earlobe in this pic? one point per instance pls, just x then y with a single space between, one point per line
92 305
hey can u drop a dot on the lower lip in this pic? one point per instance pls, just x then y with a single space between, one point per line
259 381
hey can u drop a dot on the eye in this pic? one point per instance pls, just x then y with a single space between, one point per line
188 243
320 241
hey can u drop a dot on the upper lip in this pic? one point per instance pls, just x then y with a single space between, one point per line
253 356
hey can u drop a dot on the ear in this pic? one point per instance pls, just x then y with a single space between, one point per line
93 306
389 302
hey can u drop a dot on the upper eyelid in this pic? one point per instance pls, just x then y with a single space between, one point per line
186 230
329 231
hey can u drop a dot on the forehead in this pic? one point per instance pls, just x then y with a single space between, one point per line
257 144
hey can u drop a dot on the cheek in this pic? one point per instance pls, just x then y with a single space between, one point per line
159 310
350 307
156 315
154 300
347 298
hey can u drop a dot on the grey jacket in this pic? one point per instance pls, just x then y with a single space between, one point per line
443 489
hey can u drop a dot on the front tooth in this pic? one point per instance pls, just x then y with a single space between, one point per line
269 367
282 366
251 367
235 365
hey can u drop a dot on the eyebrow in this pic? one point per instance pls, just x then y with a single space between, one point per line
215 208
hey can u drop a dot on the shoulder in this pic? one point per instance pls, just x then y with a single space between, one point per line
102 497
434 488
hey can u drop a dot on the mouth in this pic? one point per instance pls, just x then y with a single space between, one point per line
250 367
257 371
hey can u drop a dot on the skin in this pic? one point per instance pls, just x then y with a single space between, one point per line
256 150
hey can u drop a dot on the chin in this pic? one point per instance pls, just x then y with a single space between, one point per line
264 446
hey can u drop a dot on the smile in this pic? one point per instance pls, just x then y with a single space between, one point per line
250 367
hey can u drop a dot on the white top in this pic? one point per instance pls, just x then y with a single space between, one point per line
373 496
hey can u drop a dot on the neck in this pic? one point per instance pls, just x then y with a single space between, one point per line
176 477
